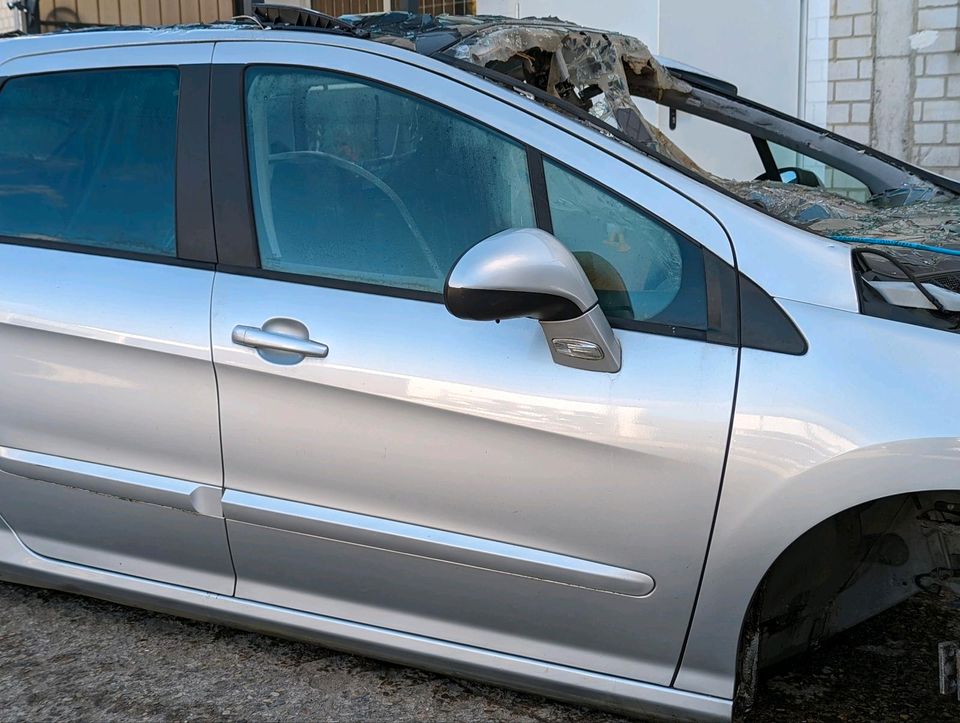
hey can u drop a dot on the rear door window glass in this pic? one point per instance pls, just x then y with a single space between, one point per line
88 158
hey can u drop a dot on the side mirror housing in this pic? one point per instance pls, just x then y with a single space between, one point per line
528 273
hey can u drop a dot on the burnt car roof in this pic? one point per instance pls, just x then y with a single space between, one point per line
597 73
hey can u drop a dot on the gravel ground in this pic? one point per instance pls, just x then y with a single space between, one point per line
68 657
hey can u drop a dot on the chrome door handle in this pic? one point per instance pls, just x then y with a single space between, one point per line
265 339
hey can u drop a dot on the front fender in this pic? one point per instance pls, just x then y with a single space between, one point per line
869 412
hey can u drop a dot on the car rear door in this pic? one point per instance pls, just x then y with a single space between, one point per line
109 438
389 464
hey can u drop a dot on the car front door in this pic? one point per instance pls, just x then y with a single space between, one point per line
389 464
109 439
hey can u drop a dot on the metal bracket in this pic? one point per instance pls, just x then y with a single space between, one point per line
948 653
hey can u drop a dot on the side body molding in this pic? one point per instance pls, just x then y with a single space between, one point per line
433 544
325 522
113 481
112 518
19 564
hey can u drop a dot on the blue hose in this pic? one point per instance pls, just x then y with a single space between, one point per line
892 242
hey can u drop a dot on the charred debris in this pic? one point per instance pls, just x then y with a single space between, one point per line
600 73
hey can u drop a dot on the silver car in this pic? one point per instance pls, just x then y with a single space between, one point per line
451 358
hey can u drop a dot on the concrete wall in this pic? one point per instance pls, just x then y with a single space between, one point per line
754 44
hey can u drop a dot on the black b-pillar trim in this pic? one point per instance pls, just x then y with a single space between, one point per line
538 189
194 219
230 171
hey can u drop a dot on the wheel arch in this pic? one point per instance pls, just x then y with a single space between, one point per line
758 528
843 570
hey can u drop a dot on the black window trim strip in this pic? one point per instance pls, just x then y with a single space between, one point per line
113 253
193 206
331 283
233 221
538 189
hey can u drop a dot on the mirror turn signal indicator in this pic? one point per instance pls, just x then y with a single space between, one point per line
578 349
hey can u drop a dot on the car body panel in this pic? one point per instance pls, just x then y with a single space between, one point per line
79 58
346 477
403 421
414 410
433 544
19 564
807 443
105 366
109 418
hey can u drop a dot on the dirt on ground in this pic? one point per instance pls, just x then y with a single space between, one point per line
882 670
69 657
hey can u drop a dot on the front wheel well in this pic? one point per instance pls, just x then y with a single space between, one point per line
844 570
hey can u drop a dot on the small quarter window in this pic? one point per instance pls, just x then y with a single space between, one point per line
88 158
357 182
642 270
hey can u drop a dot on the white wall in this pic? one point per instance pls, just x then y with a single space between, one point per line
639 18
754 44
9 19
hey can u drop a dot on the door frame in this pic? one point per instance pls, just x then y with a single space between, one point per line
235 228
178 496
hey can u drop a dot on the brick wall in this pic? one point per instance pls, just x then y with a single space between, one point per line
850 70
892 76
936 105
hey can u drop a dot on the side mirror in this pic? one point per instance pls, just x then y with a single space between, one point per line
528 273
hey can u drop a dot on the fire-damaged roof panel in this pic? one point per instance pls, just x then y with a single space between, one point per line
597 71
603 72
